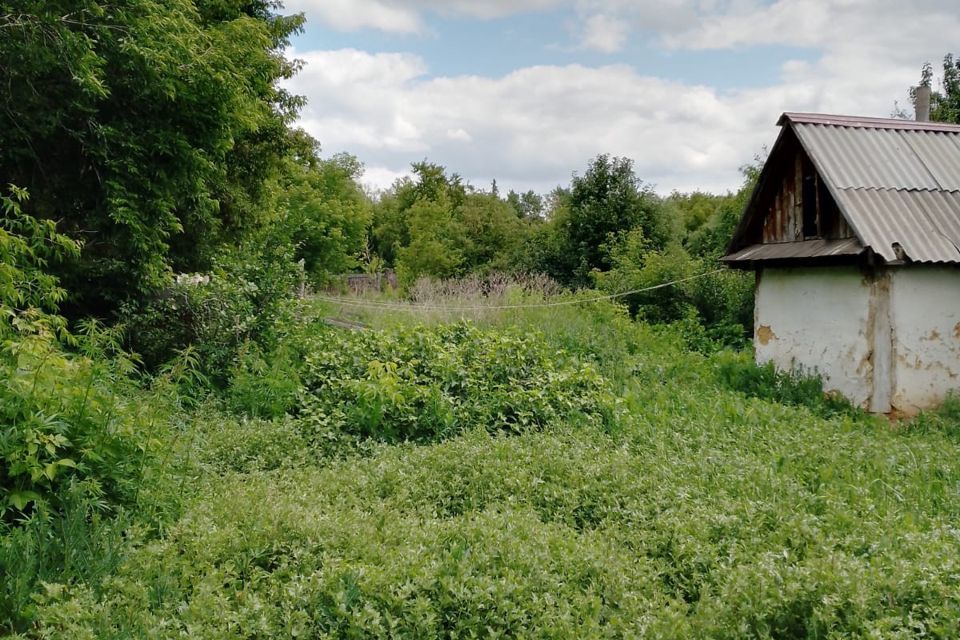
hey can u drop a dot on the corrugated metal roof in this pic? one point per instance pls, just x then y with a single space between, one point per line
925 224
863 121
897 182
883 158
794 250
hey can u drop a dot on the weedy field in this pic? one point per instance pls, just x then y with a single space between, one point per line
553 472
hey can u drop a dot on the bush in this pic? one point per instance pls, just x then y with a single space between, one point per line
713 516
245 299
79 543
719 299
76 429
425 384
264 386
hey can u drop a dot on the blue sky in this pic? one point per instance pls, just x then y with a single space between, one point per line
527 91
462 46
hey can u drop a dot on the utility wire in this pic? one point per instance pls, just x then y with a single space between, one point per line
398 306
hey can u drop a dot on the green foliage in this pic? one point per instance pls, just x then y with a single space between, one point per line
227 444
710 220
263 387
433 248
489 496
326 214
27 247
711 515
424 385
249 293
945 103
721 301
435 226
493 232
738 372
149 128
76 431
608 200
713 310
528 205
79 544
65 417
945 419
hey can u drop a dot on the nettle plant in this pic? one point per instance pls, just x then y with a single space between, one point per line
62 417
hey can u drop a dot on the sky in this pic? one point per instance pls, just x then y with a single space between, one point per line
526 92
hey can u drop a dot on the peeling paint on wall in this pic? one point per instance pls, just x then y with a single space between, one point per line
765 334
877 338
925 307
821 319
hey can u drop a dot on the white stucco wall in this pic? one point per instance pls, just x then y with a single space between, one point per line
925 324
818 319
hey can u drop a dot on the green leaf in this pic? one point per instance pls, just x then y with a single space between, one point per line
20 499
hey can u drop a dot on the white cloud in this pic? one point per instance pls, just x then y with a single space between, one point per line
380 178
405 16
531 128
604 33
350 15
892 27
460 135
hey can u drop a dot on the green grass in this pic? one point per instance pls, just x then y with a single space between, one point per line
707 509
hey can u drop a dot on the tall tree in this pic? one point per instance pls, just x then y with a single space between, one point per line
608 200
325 213
147 128
434 225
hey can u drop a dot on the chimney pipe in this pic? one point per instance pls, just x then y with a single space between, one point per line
921 105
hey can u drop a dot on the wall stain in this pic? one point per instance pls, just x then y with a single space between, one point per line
765 334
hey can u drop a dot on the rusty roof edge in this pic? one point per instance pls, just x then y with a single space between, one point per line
865 122
884 252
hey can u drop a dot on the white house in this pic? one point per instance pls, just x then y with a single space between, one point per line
853 231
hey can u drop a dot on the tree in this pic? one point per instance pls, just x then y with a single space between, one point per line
434 225
608 200
326 213
147 128
528 205
492 232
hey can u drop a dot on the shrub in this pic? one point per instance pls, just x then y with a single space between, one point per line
76 430
424 384
714 515
66 417
263 386
721 300
79 543
248 296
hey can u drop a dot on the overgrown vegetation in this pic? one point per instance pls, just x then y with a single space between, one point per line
566 472
187 448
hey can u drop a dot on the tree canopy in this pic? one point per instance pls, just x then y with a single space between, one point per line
148 129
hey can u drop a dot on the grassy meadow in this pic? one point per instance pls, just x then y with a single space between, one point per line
559 472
